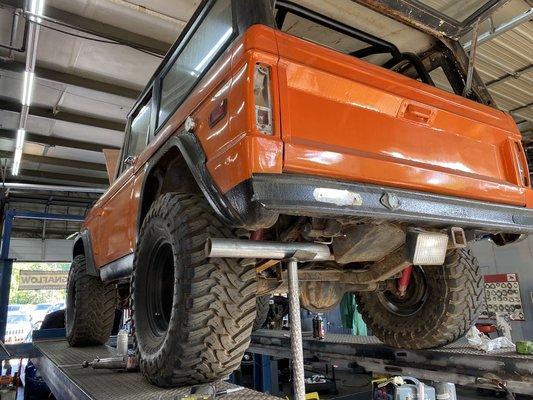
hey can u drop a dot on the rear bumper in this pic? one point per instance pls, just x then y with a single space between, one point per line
312 196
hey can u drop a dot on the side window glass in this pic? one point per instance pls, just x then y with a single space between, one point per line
139 130
196 57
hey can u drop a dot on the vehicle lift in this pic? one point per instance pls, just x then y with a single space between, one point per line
61 366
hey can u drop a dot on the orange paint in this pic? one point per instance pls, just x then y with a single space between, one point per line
334 116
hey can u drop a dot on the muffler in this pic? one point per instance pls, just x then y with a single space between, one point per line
235 248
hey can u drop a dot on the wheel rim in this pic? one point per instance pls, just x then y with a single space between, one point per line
414 299
160 289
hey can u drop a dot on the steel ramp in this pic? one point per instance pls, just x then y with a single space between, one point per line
60 366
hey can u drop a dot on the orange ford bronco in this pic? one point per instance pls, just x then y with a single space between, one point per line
355 126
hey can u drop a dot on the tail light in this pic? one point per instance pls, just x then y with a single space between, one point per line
521 162
263 99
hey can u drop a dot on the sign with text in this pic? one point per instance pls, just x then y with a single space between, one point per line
35 280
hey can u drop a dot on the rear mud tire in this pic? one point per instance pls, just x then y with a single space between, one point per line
192 315
452 305
262 306
90 308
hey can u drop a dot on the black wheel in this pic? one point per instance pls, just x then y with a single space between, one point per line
262 306
90 308
192 315
440 305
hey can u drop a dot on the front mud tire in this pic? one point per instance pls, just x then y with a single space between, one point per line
90 306
451 306
193 315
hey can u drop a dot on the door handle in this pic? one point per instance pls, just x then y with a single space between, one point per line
417 113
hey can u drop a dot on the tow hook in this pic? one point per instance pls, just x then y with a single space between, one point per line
404 279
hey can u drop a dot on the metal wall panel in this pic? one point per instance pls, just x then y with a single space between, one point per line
37 250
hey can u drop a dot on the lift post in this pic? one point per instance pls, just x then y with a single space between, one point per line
298 373
6 264
291 253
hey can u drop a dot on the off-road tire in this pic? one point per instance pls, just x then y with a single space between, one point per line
90 306
262 306
452 305
212 309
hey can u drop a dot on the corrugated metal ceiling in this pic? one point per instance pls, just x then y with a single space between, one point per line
498 62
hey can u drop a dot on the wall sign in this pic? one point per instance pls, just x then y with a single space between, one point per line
36 280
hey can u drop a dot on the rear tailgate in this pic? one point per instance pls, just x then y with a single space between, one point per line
346 119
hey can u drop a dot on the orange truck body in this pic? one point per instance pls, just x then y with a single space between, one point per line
335 117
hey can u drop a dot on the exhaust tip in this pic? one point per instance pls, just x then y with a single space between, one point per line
208 247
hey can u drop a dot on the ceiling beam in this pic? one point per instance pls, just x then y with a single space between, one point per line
519 73
129 37
63 162
501 29
56 141
18 197
71 79
37 231
28 173
65 116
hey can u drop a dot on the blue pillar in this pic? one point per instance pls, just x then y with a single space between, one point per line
262 373
6 264
6 268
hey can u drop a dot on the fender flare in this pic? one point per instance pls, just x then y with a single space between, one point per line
84 239
237 208
191 150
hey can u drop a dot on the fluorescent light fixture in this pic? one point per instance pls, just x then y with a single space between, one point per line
214 50
27 88
16 162
21 135
37 7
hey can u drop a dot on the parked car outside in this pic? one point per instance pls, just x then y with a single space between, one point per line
55 307
39 311
14 308
18 327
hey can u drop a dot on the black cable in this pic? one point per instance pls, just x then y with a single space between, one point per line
96 39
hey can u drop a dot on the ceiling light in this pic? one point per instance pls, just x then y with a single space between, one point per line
27 88
37 7
16 162
21 135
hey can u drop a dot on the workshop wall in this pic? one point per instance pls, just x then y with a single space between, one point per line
38 250
514 258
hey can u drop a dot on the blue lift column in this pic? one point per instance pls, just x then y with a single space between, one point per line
6 264
6 268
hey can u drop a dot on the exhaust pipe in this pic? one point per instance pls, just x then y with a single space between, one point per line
234 248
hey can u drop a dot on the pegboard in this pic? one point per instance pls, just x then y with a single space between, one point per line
502 295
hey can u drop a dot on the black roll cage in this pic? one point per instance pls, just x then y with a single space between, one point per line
377 45
273 14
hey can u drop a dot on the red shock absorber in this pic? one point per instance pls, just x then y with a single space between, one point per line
257 235
404 279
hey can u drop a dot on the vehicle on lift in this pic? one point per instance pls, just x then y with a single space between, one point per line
284 124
